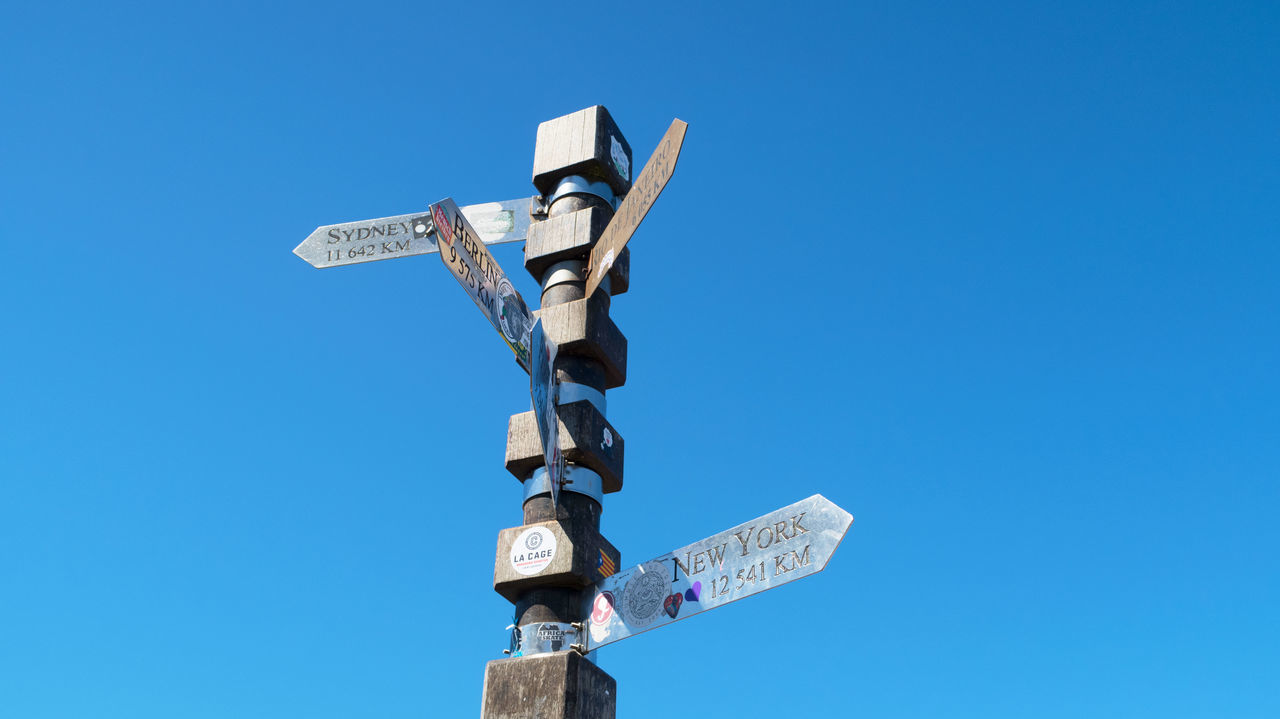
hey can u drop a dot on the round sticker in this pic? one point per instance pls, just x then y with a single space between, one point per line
533 550
512 311
602 608
642 597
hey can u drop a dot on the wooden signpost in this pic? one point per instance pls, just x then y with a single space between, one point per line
556 568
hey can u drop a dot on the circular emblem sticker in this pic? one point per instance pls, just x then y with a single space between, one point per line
602 608
533 550
642 597
512 311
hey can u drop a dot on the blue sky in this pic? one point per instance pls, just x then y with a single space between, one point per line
999 279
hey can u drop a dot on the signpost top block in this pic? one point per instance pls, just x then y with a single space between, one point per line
586 143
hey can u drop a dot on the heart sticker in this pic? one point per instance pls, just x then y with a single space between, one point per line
672 604
694 593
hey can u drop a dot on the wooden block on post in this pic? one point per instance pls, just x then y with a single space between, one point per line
551 554
583 328
559 685
587 143
570 237
586 439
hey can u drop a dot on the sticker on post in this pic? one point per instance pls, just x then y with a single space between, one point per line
620 161
533 550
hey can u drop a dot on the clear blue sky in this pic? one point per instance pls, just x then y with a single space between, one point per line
1000 280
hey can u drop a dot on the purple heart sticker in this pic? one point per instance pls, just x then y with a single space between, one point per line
693 593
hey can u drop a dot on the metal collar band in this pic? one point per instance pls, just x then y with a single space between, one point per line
544 638
577 184
574 392
578 479
561 272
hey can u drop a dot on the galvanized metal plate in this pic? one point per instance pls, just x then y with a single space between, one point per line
543 638
791 543
644 192
480 275
387 238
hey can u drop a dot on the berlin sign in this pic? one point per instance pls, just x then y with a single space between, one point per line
479 274
644 192
785 545
387 238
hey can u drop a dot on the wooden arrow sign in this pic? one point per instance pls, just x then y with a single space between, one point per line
644 191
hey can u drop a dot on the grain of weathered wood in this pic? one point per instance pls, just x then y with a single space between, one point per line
563 685
583 328
580 143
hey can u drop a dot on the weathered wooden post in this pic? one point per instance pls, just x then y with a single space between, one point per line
582 165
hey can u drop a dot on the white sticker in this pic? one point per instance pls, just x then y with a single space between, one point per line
605 263
533 550
620 160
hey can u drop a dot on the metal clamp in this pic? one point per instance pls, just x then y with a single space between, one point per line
577 184
537 208
547 637
577 479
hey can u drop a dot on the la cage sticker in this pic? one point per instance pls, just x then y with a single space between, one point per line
533 550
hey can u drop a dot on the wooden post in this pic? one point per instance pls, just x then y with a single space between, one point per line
582 167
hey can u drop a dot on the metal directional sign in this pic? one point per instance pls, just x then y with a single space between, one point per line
644 191
545 389
780 547
387 238
479 274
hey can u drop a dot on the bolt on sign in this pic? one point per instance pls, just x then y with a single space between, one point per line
644 192
387 238
479 274
545 390
788 544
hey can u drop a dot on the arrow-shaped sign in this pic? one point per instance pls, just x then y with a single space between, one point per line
545 390
780 547
479 274
644 191
387 238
